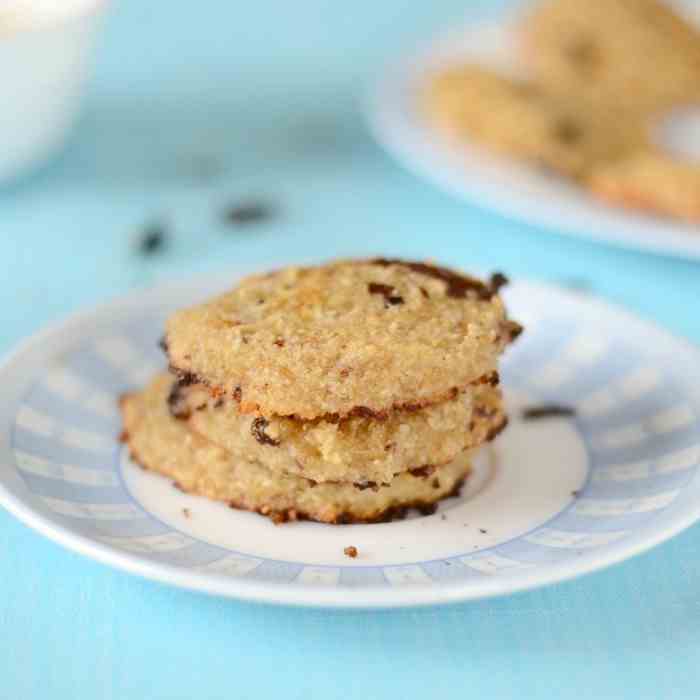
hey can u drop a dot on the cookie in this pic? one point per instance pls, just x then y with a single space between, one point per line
652 181
165 445
358 449
347 338
517 117
640 52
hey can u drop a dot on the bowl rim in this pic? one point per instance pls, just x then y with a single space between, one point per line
86 9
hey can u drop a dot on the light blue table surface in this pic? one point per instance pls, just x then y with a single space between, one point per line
267 97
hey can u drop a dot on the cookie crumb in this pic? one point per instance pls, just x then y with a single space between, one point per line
482 531
547 411
575 494
186 512
350 552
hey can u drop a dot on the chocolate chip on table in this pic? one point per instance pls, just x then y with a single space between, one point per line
152 239
248 213
547 411
350 552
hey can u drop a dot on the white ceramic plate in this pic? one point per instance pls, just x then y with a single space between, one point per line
548 501
502 184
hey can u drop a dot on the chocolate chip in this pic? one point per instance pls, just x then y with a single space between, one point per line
583 53
279 342
513 329
237 394
248 213
567 131
387 291
427 509
257 429
422 472
547 411
458 286
498 280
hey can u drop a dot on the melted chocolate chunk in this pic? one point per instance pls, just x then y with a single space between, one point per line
498 280
422 472
184 377
547 411
176 403
513 329
458 286
387 291
496 430
257 429
364 485
492 379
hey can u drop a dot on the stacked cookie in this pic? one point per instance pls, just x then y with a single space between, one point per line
347 392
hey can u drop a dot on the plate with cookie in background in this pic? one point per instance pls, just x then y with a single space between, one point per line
580 117
363 433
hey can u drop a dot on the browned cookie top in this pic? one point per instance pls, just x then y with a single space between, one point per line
349 337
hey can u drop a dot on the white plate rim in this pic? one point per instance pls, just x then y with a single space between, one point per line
315 596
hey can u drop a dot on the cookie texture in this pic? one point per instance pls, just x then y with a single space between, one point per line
347 338
640 52
168 446
518 117
359 449
652 181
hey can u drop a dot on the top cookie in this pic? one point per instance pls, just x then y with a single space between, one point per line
639 52
346 338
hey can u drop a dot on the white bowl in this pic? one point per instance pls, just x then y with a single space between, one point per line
45 47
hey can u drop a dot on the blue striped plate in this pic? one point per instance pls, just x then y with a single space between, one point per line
552 499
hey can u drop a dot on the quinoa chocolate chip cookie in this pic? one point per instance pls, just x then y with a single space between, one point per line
350 338
517 117
640 52
164 444
359 449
